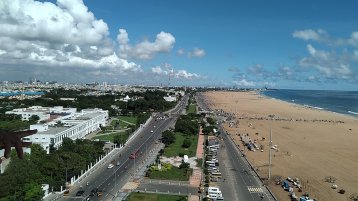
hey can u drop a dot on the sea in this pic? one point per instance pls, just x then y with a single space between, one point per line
344 102
16 93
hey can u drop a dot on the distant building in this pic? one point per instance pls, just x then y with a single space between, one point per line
44 113
170 98
68 99
125 99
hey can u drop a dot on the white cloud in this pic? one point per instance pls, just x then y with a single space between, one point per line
66 22
322 36
65 34
181 51
329 64
167 70
244 83
158 70
309 34
164 42
353 40
257 70
197 52
186 75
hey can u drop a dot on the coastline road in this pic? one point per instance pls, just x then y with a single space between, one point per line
239 183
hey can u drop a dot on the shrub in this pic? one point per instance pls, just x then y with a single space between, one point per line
184 165
186 143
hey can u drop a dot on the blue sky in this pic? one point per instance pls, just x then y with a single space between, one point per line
279 44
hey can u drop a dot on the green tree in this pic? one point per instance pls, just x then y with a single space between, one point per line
187 124
119 139
33 191
186 143
34 119
168 137
67 144
211 120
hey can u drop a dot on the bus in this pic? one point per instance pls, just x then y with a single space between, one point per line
134 154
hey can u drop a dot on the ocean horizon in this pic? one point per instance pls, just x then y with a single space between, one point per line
343 102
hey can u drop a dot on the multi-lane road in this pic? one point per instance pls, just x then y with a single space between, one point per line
241 182
111 180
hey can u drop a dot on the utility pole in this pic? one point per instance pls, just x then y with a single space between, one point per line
270 146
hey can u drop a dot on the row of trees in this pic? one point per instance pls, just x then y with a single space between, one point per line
22 179
145 102
188 124
13 122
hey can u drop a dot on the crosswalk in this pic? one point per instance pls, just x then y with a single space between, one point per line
254 189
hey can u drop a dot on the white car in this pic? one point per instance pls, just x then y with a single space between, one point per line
151 131
110 166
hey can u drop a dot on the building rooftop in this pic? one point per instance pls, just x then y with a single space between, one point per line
53 130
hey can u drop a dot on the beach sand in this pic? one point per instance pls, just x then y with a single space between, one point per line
312 144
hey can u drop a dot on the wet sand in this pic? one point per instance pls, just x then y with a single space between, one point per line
311 144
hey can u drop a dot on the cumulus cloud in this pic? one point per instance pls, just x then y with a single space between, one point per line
330 64
309 34
285 72
65 34
167 70
257 70
163 42
353 40
197 52
244 83
181 51
322 36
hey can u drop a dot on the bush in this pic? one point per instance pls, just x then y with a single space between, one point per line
181 154
184 165
186 143
168 137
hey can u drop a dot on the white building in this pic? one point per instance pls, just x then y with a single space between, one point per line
125 99
44 113
74 125
170 98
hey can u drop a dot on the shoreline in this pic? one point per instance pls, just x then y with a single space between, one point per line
309 106
311 143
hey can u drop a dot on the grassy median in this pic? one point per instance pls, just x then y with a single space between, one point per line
176 149
154 197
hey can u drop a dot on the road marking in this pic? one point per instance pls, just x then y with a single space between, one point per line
255 189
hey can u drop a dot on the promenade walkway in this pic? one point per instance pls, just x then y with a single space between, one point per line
197 174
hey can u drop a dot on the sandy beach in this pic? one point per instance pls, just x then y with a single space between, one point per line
311 144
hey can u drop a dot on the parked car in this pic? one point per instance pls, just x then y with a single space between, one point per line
80 193
94 192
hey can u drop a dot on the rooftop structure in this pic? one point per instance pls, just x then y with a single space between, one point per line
44 113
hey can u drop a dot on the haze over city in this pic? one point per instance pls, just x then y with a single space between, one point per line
276 44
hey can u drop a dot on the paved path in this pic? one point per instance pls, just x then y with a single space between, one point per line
195 178
200 147
193 198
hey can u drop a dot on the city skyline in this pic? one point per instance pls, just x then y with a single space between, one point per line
277 44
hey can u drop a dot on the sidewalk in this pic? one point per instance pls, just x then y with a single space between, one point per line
195 178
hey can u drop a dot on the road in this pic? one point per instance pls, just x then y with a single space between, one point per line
241 183
111 180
